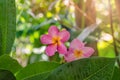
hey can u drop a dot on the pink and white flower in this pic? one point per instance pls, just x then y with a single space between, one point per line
55 40
78 50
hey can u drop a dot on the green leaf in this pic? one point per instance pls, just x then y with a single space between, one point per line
7 25
38 76
35 69
7 63
84 69
6 75
116 75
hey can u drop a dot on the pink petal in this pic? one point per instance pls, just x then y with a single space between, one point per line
46 39
69 56
62 48
64 35
87 52
76 44
53 31
51 49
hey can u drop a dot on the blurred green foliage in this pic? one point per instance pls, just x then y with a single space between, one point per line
34 17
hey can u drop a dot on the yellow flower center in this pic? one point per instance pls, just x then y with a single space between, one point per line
56 40
78 53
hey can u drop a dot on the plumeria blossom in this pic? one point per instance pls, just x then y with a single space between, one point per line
55 40
78 50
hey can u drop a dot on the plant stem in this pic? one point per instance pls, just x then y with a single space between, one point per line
112 30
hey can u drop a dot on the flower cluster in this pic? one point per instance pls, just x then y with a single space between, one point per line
55 40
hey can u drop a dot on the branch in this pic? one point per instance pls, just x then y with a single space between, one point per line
112 30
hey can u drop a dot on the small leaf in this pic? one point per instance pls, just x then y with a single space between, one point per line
35 69
7 25
85 69
6 75
7 63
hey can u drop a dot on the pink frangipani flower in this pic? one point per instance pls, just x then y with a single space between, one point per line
77 50
54 40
